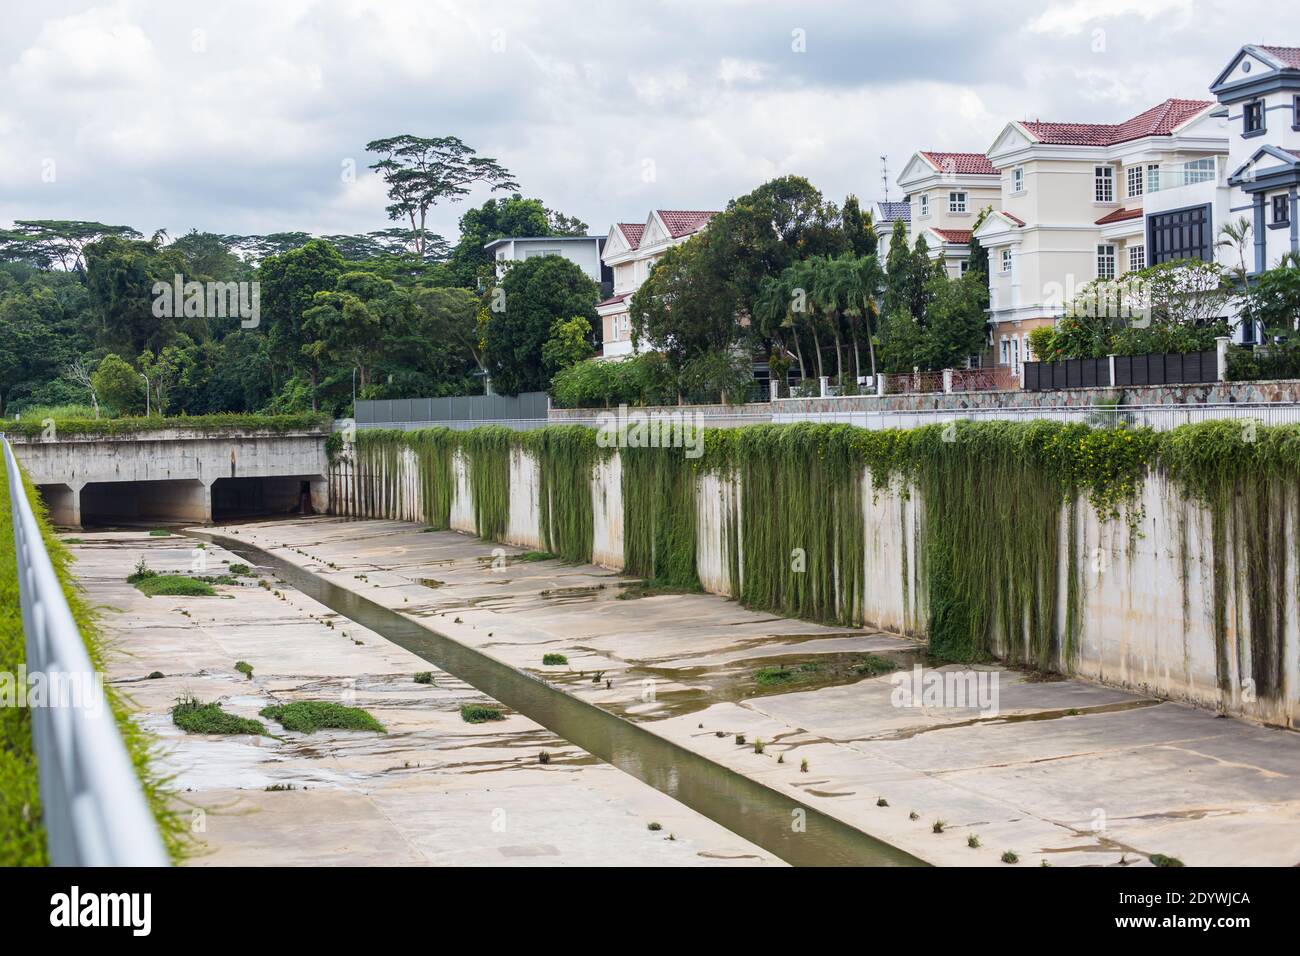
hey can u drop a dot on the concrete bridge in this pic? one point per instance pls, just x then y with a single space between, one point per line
176 474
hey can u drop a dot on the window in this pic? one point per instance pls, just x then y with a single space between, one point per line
1281 212
530 253
1153 176
1006 260
1137 258
1182 234
964 266
1295 112
1104 187
1252 118
1199 170
924 200
1105 262
1018 179
956 202
1134 181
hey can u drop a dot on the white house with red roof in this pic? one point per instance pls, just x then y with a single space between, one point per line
630 251
946 192
1074 206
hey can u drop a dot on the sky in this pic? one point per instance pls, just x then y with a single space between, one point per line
247 117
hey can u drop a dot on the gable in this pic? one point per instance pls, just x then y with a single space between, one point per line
1010 139
1248 64
916 169
654 231
615 244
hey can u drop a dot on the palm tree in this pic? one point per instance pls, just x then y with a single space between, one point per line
799 280
829 294
868 279
1235 235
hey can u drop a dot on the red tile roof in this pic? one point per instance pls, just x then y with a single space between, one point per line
1160 120
614 299
631 232
1016 219
1119 215
959 236
1290 55
683 222
963 164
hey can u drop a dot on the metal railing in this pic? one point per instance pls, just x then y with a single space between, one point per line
1158 417
94 810
460 425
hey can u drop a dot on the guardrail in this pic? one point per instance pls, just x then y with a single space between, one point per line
1158 417
94 810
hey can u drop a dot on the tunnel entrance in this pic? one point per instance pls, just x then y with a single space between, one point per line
234 498
130 502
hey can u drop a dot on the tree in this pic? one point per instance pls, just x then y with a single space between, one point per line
858 228
471 264
955 321
289 285
687 306
79 375
422 172
1275 302
119 385
978 256
569 343
536 292
349 325
120 278
43 242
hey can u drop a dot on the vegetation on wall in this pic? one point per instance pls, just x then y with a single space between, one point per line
110 427
996 499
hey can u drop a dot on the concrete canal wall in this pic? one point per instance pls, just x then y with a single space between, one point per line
1147 615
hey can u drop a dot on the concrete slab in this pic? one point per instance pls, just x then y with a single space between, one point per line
1062 772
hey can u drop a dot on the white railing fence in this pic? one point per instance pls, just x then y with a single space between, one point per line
94 809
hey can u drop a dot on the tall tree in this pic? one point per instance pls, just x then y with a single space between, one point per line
289 285
421 172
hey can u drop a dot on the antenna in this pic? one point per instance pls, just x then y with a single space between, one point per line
884 175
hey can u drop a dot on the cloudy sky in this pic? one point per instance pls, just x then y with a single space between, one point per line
241 117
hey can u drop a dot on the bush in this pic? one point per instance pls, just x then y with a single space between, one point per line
636 380
308 716
1245 364
554 659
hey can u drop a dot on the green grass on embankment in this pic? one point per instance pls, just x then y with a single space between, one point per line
22 831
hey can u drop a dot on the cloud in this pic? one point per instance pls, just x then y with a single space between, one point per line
238 117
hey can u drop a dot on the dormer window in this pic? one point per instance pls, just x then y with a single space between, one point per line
956 202
1252 118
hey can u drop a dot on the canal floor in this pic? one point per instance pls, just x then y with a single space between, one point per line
434 790
1061 772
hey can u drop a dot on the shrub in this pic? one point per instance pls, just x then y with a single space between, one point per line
244 668
424 677
240 569
554 659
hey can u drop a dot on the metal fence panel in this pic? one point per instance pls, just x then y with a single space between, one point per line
94 809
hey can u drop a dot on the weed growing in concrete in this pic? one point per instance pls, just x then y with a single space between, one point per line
938 825
913 815
654 826
1010 856
480 713
552 659
803 765
155 675
174 585
973 842
424 677
1159 859
758 745
882 802
244 668
195 717
308 716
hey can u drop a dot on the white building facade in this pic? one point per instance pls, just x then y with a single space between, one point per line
630 252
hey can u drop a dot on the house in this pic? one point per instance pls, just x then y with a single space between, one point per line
946 192
1259 95
883 217
630 250
1077 203
583 251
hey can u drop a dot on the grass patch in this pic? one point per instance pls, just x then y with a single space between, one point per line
195 717
240 569
424 677
554 659
244 668
534 556
174 585
308 716
160 533
480 713
829 669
